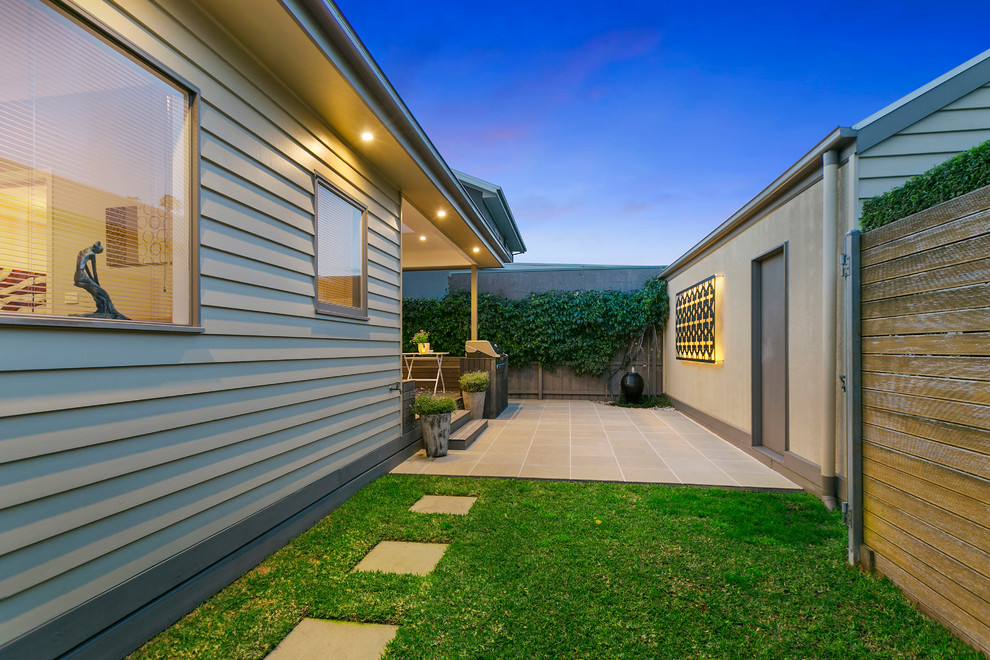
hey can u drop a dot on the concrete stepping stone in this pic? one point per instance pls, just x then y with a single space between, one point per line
315 639
402 557
457 505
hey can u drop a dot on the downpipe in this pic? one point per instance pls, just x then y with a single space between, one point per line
830 216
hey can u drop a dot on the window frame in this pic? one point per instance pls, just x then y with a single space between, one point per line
101 31
327 308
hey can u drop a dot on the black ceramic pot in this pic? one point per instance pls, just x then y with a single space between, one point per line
632 387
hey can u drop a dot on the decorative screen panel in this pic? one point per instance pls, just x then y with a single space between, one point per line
694 318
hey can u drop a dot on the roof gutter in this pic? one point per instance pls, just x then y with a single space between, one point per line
406 129
807 164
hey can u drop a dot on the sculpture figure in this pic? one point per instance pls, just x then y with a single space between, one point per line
86 278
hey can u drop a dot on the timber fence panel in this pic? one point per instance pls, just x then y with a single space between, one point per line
530 381
926 409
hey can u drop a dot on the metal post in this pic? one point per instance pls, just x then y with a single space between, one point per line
474 303
854 396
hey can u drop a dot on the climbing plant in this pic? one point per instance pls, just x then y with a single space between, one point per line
578 329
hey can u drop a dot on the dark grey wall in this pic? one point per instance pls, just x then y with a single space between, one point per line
519 280
424 283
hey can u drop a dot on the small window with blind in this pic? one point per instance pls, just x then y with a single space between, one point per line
341 282
95 175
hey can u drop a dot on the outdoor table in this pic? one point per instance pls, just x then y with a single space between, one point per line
410 359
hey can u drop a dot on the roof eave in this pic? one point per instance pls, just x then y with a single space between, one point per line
837 139
378 90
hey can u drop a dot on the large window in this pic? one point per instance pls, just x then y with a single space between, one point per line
95 148
340 254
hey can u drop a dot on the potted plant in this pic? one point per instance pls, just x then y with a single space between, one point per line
474 386
422 341
434 418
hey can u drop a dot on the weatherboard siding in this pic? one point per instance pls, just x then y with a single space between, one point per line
955 128
119 450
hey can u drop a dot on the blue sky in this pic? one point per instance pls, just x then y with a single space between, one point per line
622 131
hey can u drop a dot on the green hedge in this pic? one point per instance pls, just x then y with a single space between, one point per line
578 329
961 174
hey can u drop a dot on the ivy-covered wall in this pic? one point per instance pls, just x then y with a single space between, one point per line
579 329
960 174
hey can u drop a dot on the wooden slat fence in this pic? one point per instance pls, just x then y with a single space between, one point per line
531 382
926 409
423 369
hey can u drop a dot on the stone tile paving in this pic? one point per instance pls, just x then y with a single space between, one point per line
314 639
585 440
453 504
402 557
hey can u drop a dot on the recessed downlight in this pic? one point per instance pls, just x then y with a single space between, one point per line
441 214
422 238
477 249
367 136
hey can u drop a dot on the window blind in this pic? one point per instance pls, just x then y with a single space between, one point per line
94 148
339 250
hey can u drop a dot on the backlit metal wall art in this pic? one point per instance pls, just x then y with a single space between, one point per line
694 322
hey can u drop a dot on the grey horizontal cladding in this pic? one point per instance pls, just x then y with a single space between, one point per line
229 239
233 187
930 143
263 147
383 239
222 321
52 597
212 150
79 348
237 295
386 289
388 267
903 165
38 392
947 92
26 438
28 481
385 305
189 577
948 121
259 150
978 98
380 272
871 187
228 212
49 537
227 266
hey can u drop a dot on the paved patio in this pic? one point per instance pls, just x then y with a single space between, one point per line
590 441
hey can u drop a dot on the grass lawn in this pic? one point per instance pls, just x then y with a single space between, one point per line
575 570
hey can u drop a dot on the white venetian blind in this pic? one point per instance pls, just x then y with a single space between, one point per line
94 147
340 250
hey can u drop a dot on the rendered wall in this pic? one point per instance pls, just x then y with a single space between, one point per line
723 391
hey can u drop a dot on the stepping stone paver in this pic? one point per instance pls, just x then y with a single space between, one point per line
314 639
455 504
402 557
